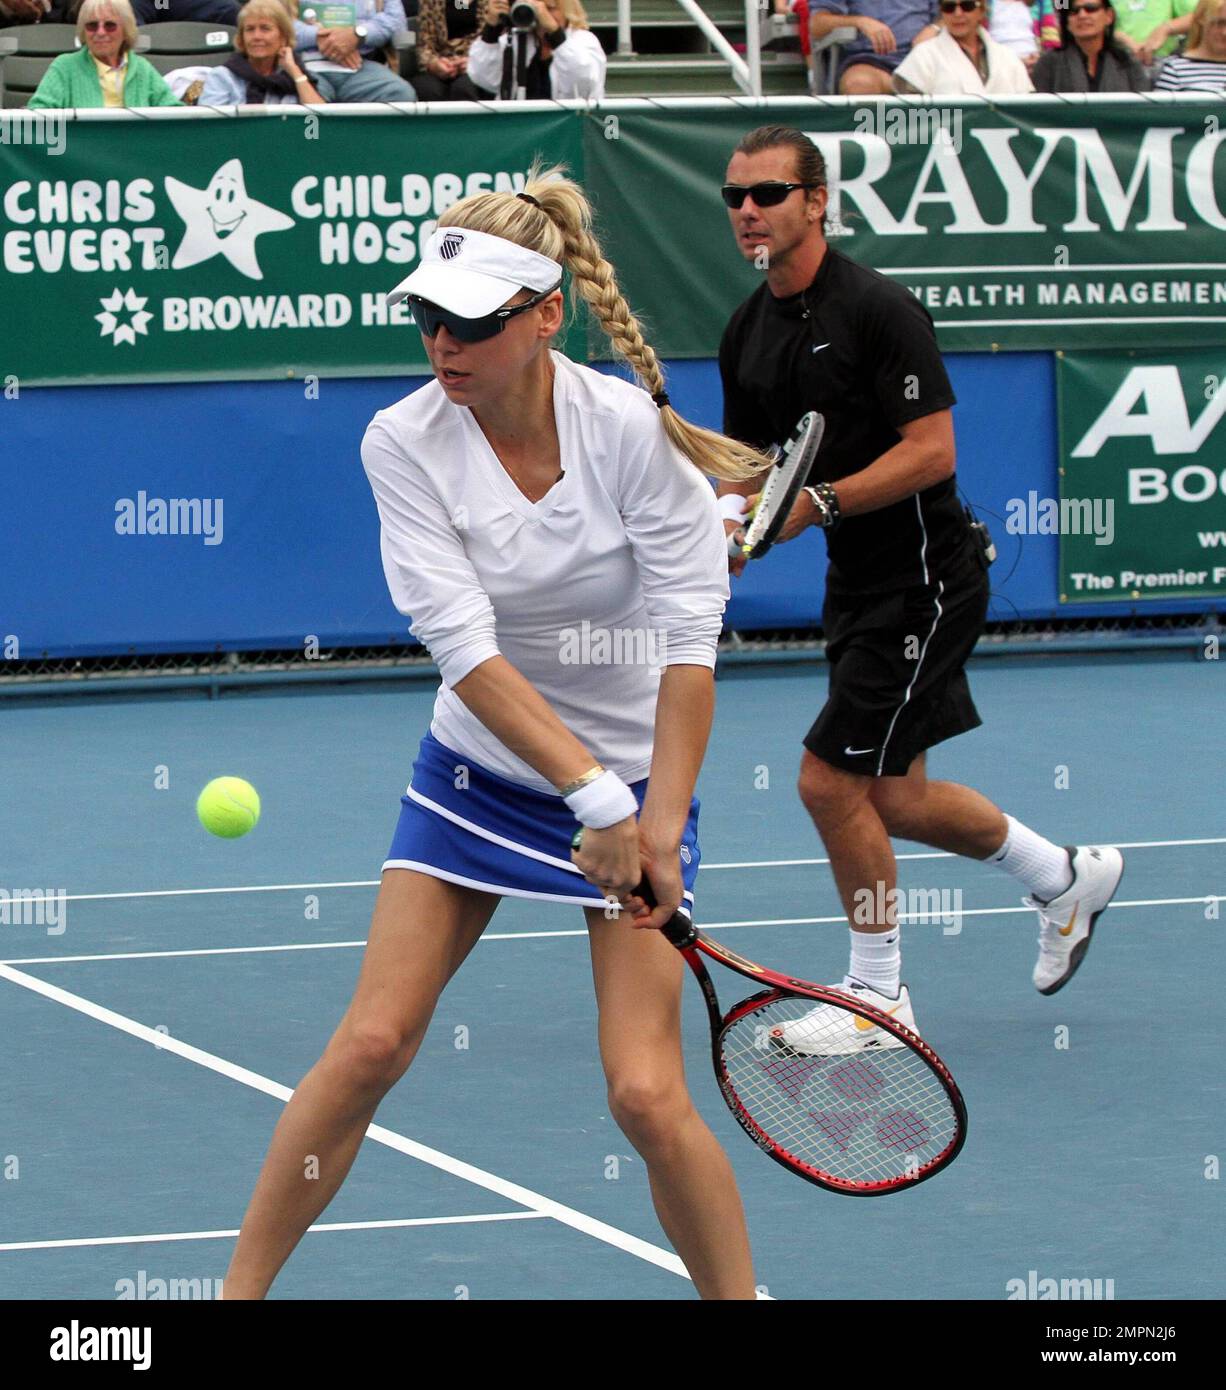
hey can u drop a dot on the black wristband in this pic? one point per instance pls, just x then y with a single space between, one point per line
491 33
826 501
557 37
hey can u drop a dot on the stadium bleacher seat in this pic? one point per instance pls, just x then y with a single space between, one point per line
26 52
672 56
824 57
191 44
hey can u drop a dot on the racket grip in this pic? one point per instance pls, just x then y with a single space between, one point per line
678 929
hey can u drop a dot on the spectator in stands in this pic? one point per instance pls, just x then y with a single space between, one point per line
264 70
1148 28
563 58
800 8
1045 16
446 30
1201 67
347 61
1089 59
887 31
963 59
194 11
104 71
36 12
1011 23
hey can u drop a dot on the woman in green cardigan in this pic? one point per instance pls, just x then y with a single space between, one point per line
104 71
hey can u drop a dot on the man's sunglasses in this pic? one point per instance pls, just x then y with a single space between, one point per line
429 318
766 195
1086 9
966 6
108 26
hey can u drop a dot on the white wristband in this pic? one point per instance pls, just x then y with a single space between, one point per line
733 506
603 802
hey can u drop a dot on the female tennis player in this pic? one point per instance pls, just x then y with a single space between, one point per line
549 530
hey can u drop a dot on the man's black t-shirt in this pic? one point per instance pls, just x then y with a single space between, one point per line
863 351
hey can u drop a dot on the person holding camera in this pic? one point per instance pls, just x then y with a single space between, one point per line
536 50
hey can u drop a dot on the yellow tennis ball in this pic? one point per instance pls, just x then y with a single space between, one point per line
228 807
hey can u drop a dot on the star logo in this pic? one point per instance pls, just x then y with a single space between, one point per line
119 302
222 219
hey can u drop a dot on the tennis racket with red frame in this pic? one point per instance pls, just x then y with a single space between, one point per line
861 1122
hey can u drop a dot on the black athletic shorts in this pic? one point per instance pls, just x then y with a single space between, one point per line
897 678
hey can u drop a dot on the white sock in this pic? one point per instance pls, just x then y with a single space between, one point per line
1038 865
876 960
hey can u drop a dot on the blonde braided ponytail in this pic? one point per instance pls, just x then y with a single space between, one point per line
558 224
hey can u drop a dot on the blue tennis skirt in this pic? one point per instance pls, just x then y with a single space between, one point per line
465 824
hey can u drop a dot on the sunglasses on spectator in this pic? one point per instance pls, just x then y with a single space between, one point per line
766 195
1086 9
431 317
108 26
966 6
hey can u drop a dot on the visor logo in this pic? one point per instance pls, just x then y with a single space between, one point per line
450 246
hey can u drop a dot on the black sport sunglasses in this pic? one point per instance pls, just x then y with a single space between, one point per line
766 195
431 317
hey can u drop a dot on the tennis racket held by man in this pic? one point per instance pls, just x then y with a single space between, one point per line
780 490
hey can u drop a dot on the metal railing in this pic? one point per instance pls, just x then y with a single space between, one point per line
746 71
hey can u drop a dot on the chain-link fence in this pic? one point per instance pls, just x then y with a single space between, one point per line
1198 633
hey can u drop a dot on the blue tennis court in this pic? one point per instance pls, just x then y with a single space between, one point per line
159 1013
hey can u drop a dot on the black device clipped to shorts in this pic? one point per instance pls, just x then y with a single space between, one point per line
983 537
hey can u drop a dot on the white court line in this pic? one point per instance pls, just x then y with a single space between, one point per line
1203 898
166 1236
739 864
467 1172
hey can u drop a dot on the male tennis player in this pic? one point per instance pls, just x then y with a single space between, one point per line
907 588
523 497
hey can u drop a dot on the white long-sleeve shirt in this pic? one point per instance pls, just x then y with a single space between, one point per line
577 69
619 571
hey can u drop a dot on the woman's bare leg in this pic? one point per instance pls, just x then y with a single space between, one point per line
638 988
422 930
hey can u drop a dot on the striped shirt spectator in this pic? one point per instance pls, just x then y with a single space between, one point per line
1201 67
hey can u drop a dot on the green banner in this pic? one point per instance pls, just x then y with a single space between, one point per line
1037 223
191 245
195 248
1142 507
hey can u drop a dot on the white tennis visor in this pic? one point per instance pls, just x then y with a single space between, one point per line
474 273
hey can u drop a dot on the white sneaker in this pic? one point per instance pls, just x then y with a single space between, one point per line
825 1031
1067 922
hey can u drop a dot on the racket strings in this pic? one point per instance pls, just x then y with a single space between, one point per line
868 1116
